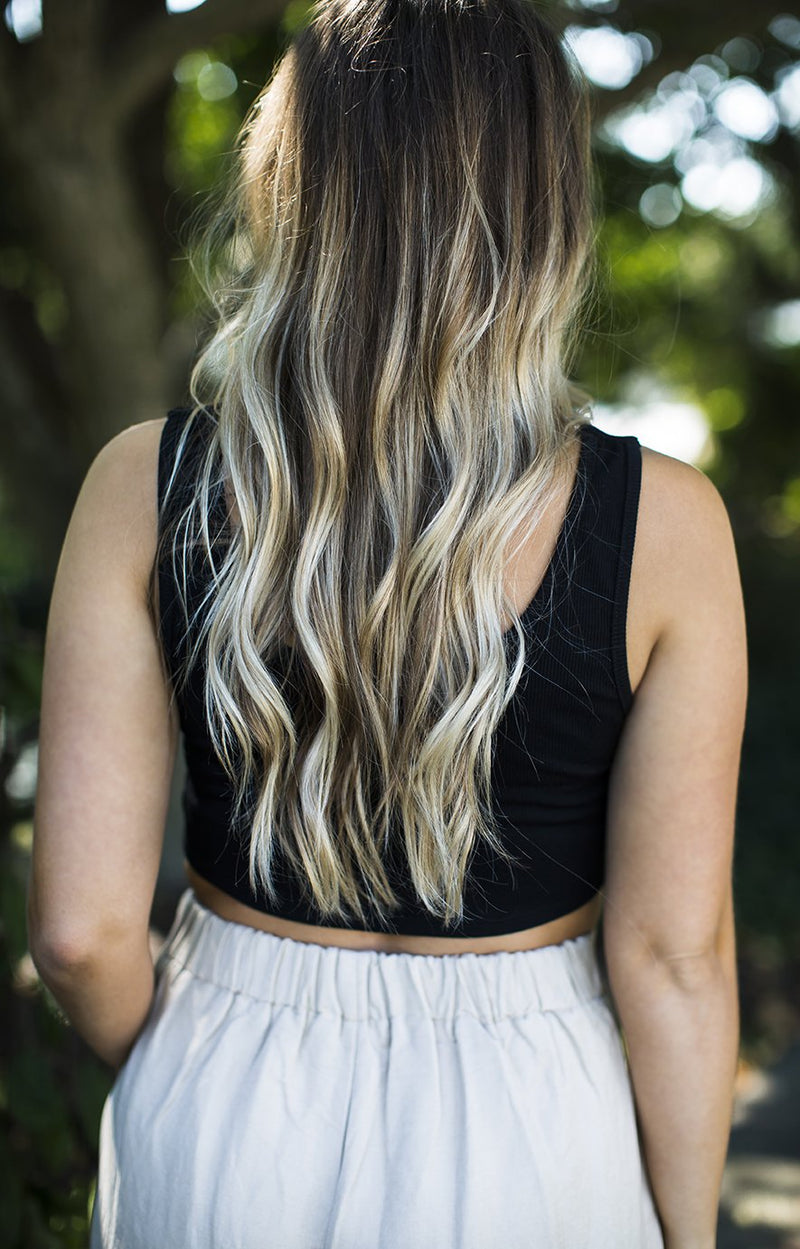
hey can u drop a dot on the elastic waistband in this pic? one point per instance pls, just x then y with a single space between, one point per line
376 984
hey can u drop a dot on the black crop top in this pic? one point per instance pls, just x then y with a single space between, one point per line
553 747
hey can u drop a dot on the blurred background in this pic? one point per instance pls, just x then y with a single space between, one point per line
115 119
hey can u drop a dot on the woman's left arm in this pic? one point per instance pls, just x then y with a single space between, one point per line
107 748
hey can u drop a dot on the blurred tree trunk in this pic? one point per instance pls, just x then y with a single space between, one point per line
74 102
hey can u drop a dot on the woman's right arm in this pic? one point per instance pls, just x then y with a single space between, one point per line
668 923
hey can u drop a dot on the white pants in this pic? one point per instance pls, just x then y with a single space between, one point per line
286 1095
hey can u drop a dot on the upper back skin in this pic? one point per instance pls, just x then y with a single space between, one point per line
673 496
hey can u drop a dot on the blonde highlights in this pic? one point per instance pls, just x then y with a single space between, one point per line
396 271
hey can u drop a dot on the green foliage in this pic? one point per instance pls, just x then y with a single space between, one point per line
202 129
214 90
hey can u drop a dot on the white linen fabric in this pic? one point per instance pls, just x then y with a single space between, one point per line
289 1095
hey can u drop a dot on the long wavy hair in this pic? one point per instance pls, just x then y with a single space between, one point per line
396 267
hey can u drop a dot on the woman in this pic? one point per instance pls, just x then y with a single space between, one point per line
453 669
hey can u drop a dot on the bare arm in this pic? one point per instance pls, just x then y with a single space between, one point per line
106 752
668 925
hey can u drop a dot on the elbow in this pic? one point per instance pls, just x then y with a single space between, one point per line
693 972
58 958
58 954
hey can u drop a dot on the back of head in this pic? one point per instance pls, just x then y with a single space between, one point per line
397 267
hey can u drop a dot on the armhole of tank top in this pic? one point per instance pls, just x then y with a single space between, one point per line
630 508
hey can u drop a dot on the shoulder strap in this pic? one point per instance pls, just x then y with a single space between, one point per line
176 478
632 459
595 610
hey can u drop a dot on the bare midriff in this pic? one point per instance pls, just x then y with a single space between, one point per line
575 924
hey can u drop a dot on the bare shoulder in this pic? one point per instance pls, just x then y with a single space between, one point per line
676 493
129 460
121 489
135 448
684 548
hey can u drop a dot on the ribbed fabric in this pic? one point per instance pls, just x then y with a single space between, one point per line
287 1095
553 748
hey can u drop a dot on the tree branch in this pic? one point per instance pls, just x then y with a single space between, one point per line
149 55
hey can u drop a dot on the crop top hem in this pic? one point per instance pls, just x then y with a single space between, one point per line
505 924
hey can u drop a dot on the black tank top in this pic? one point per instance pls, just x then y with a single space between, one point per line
553 747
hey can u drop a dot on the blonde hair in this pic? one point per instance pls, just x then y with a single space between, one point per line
395 269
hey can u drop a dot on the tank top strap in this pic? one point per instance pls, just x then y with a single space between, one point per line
180 450
627 535
606 530
176 477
